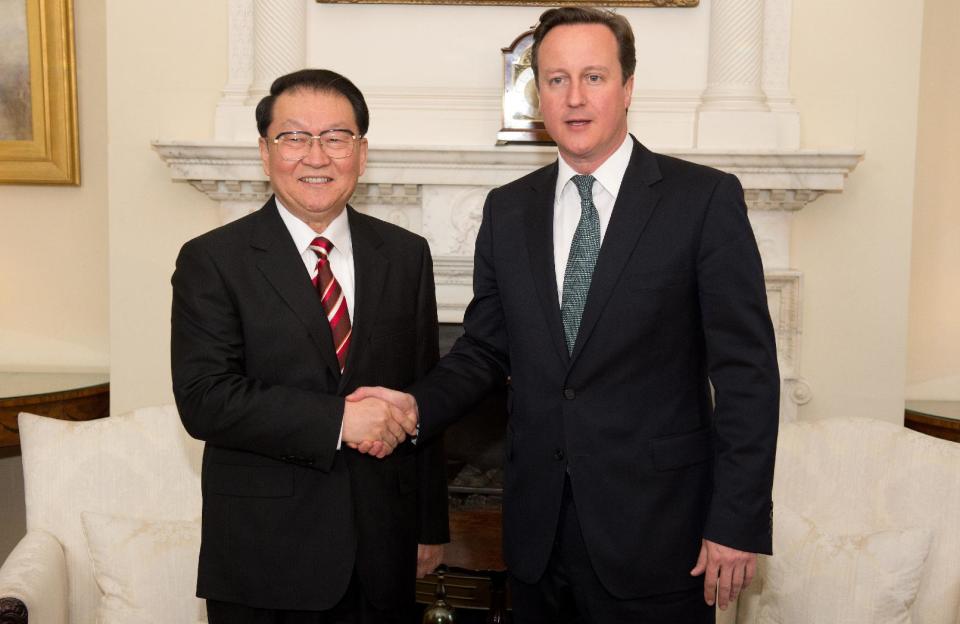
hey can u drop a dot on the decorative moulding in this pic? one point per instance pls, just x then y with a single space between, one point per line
772 180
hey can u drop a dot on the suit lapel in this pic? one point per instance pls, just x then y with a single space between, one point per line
278 260
371 268
538 219
633 208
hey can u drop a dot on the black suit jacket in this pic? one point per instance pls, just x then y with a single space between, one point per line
286 516
677 302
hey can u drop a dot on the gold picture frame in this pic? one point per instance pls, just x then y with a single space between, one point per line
607 3
40 145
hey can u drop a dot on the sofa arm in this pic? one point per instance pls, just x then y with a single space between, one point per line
33 582
727 616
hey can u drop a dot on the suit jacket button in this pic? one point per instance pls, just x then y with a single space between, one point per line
558 455
569 394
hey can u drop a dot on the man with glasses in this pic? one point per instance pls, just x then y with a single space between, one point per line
276 317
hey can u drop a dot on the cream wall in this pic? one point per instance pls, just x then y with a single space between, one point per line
444 86
165 67
933 353
855 73
53 250
53 243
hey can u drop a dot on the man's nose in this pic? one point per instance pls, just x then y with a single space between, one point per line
575 94
316 157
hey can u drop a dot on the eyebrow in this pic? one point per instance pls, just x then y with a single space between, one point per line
589 68
340 125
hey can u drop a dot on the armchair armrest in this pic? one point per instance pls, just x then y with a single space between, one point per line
33 581
729 615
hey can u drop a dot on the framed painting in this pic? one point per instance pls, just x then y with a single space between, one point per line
38 93
606 3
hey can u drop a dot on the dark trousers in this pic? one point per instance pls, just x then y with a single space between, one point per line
353 608
569 592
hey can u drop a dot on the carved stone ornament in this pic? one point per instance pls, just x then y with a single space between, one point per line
772 180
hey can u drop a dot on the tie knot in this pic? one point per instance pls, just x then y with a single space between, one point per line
321 245
584 184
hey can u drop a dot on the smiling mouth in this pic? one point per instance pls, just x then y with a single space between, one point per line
316 179
577 123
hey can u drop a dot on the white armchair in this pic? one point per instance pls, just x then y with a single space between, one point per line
112 510
866 525
866 528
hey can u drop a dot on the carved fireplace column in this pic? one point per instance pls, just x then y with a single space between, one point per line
736 57
267 38
239 53
776 57
279 42
749 51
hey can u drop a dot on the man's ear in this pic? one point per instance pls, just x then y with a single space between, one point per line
264 155
362 164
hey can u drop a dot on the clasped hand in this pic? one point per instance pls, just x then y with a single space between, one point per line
376 420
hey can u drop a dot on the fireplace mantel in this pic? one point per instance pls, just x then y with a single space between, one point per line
772 179
439 192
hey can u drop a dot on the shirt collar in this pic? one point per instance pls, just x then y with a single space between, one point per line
609 174
338 232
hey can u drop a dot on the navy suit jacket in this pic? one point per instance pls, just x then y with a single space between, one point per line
287 518
656 459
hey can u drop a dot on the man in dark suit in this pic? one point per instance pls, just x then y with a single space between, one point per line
276 317
614 288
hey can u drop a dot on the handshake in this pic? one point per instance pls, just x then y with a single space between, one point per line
376 420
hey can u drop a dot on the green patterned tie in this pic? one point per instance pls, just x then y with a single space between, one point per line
583 258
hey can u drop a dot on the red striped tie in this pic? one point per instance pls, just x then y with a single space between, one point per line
331 296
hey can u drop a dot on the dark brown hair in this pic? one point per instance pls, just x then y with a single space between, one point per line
617 24
322 80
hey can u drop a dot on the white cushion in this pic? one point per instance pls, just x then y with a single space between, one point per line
146 570
840 579
141 464
860 476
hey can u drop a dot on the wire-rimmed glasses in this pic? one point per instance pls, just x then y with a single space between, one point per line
294 145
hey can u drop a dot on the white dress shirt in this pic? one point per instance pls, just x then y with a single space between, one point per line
566 206
341 256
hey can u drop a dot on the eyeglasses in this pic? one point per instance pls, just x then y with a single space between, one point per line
295 145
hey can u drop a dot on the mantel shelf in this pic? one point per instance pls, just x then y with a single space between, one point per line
773 180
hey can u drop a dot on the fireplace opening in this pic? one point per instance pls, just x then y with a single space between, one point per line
475 445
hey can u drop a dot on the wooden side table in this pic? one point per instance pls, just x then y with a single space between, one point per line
940 419
475 577
67 396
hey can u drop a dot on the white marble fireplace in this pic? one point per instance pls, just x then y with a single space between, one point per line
736 114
